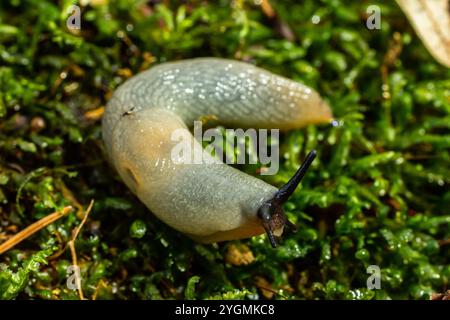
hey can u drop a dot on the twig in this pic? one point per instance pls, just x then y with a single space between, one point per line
73 252
281 27
262 288
100 283
267 9
33 228
394 50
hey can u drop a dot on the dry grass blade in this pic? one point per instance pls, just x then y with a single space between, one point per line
33 228
73 252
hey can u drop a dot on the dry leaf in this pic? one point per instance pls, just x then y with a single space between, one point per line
431 21
239 255
95 114
265 287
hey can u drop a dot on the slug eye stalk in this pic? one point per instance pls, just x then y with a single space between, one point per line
271 212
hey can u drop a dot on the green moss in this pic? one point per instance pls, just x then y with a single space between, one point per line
138 229
376 195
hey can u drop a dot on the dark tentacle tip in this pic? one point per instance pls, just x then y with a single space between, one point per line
271 238
271 212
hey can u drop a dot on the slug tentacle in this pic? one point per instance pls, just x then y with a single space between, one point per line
271 212
285 192
210 201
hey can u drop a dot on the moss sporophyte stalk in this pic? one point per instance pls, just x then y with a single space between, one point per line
377 194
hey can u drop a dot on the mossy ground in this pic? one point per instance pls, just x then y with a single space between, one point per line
377 194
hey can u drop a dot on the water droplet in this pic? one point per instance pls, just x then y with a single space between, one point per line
336 123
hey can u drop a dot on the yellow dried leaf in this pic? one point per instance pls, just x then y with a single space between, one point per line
95 114
239 256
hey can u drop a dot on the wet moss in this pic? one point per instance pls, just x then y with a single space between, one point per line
377 194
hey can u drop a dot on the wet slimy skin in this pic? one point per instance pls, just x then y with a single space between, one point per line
211 201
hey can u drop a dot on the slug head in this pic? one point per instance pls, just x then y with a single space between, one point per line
271 212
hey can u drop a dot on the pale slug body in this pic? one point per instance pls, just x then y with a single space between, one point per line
209 202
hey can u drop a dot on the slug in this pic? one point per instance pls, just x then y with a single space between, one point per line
209 202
